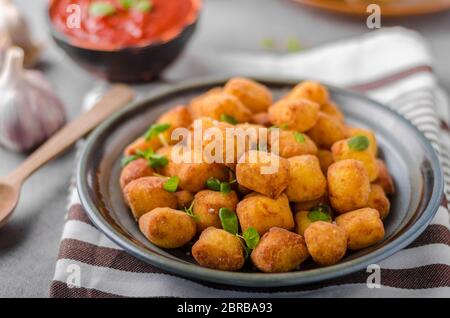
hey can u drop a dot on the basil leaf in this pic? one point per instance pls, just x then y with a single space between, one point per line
358 143
155 130
229 119
283 126
225 187
229 220
144 6
320 213
171 185
127 160
127 4
101 9
300 138
157 160
213 184
251 237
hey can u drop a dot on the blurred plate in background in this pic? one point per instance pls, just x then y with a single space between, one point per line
392 8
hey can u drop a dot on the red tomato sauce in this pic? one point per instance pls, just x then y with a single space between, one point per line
125 28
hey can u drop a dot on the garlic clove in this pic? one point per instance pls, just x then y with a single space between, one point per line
5 43
29 110
15 26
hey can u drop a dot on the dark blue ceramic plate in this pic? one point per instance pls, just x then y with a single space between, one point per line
409 156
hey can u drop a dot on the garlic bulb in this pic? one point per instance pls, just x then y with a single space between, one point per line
14 28
5 43
29 111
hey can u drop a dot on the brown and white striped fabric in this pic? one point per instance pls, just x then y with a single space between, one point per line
392 66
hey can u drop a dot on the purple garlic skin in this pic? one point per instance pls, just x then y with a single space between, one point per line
29 110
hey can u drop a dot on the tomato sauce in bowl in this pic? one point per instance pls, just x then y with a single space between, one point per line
120 24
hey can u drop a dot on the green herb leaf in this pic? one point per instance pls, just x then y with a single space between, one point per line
229 220
145 153
251 238
213 184
320 213
101 9
216 185
268 43
155 130
127 4
282 127
143 6
127 160
190 211
300 138
358 143
229 119
293 45
225 187
171 185
157 160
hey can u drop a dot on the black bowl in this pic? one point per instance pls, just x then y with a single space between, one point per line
408 154
131 64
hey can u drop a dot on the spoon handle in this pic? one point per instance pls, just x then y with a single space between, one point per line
114 99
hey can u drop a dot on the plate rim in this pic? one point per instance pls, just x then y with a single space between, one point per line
194 271
388 11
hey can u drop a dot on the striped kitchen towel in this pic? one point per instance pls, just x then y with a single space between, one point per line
393 66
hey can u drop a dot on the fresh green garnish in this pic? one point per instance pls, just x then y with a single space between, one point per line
293 45
251 240
229 220
171 185
216 185
127 4
144 6
268 43
251 237
155 160
127 160
190 211
225 187
320 213
229 119
155 130
230 224
213 184
282 127
101 9
300 138
358 143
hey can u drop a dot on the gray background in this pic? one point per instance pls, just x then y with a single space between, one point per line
29 242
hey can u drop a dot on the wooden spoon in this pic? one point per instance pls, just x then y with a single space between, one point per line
114 99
